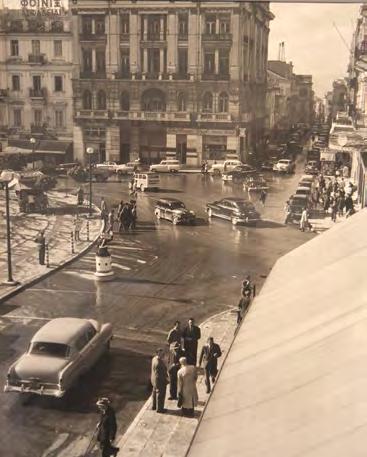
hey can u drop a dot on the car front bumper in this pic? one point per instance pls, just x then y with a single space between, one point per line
41 390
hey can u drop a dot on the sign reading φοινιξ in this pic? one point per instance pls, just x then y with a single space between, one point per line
42 7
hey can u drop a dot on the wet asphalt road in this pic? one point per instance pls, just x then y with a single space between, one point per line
163 273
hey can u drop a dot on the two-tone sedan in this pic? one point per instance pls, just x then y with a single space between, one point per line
174 210
236 210
58 355
238 174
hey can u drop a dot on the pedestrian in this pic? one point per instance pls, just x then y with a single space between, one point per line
106 428
341 203
346 171
349 206
77 227
134 214
191 335
126 216
175 354
334 209
119 215
321 182
80 196
186 388
263 195
111 221
41 241
288 212
209 356
248 287
175 335
159 380
304 222
243 305
104 212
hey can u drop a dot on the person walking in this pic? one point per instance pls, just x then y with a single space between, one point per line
334 209
304 222
349 206
104 212
77 227
191 335
126 217
175 335
111 221
106 428
80 196
263 195
288 212
41 241
243 305
175 354
134 214
248 287
119 216
159 380
209 356
186 388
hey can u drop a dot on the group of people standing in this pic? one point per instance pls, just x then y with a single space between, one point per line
181 371
125 216
335 197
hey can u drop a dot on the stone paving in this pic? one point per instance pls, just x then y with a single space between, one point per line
58 225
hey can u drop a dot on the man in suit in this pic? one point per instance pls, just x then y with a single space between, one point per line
191 335
175 335
175 354
209 356
159 380
106 429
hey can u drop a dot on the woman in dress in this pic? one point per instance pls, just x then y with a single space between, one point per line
186 388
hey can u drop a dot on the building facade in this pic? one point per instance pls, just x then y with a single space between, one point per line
35 75
158 79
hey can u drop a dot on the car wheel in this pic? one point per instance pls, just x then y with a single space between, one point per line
175 220
153 170
234 220
142 187
210 212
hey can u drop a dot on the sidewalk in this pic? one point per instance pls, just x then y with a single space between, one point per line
58 226
169 435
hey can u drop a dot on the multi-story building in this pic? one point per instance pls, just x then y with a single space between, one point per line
303 100
35 75
169 78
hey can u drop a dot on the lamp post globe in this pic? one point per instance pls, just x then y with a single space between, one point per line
33 143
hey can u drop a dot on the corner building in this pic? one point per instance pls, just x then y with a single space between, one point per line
158 79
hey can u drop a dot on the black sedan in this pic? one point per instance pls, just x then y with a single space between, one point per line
173 210
238 174
236 210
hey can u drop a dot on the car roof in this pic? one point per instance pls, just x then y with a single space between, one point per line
169 200
303 188
236 199
60 330
299 196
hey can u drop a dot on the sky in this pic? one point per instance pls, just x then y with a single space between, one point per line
312 42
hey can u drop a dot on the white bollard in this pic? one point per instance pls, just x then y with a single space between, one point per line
104 270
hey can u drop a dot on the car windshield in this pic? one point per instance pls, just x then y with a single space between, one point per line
50 349
298 201
177 205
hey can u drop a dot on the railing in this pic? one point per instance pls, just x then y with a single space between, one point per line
89 113
215 76
89 36
121 115
215 117
4 92
217 37
123 75
92 75
183 36
38 93
36 58
125 37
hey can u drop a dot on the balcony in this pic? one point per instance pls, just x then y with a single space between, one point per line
89 36
92 75
36 128
121 115
217 37
124 37
38 93
214 117
183 36
123 75
215 76
4 93
37 58
92 114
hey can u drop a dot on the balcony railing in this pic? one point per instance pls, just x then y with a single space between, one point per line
92 75
125 37
89 36
135 115
38 93
183 36
215 76
217 37
4 93
215 117
37 58
95 114
123 75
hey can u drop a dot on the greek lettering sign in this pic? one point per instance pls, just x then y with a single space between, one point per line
42 7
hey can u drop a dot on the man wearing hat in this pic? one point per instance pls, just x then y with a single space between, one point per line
175 353
159 380
106 428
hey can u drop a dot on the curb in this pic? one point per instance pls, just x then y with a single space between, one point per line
48 273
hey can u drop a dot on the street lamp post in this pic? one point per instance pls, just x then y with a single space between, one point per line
33 142
10 280
90 152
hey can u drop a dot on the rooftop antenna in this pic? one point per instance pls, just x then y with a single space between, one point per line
281 52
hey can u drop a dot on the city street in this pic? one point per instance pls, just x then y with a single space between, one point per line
163 273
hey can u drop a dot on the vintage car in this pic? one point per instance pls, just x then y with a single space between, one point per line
303 190
127 168
284 166
255 184
238 174
227 165
146 181
58 354
296 205
173 210
312 167
237 210
169 166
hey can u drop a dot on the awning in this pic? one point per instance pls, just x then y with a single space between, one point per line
41 147
294 382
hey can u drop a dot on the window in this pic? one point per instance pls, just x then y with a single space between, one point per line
224 62
36 83
87 99
17 114
58 84
100 61
125 24
101 100
210 25
182 61
87 25
153 61
125 101
57 48
209 62
153 100
36 47
37 117
223 103
15 82
59 119
181 102
87 60
208 102
125 62
154 27
57 350
224 26
57 26
182 26
100 26
14 48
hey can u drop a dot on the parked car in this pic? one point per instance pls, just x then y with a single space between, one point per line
268 165
296 204
146 181
255 184
112 166
227 165
127 168
237 210
58 354
303 190
284 166
173 210
312 167
169 166
238 174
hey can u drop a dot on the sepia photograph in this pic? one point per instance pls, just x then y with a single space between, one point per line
183 260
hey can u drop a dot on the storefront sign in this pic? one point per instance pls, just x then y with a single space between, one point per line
186 131
42 7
